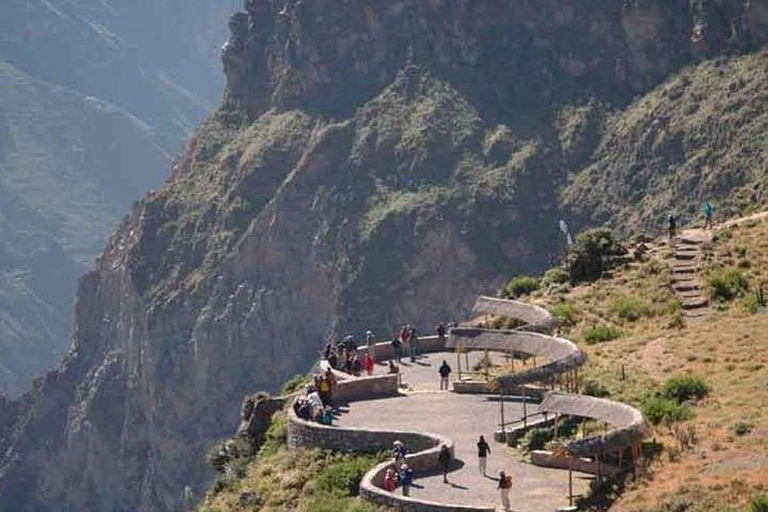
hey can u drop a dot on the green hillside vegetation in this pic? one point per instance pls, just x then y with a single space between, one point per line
276 478
701 135
701 384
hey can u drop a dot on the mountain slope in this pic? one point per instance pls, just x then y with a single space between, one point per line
69 167
699 136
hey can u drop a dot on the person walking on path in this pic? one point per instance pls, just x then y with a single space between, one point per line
483 451
709 212
505 484
405 478
445 373
414 344
444 459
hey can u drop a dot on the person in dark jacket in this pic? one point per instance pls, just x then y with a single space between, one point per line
445 373
444 459
483 451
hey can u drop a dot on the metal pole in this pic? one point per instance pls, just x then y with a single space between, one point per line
501 403
570 480
458 360
486 362
525 410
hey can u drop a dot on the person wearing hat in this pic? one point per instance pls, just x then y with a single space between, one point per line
370 340
505 484
398 452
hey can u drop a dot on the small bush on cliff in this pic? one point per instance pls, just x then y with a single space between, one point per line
555 275
630 308
296 383
601 333
519 286
685 387
588 256
658 409
727 284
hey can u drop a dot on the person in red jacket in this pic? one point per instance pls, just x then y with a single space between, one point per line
368 364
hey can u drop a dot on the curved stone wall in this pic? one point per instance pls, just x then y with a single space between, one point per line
563 356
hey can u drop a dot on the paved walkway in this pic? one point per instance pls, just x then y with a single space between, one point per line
463 418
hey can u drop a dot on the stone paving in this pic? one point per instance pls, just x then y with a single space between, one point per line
463 418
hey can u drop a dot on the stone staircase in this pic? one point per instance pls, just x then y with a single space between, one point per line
686 279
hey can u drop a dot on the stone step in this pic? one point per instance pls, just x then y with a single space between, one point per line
684 269
695 302
685 256
697 313
686 285
688 294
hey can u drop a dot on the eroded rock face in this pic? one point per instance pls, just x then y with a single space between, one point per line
374 163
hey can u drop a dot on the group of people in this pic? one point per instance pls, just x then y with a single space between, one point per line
345 356
401 474
709 213
317 402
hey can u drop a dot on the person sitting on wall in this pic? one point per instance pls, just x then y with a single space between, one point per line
390 481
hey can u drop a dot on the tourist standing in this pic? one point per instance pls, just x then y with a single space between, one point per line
414 340
441 330
505 484
405 478
398 453
483 451
444 459
709 212
370 341
671 225
397 348
445 373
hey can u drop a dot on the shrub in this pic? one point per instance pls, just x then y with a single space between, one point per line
555 275
595 388
587 256
565 313
537 438
519 286
276 435
758 503
342 479
601 333
742 428
294 384
630 308
726 284
684 388
658 408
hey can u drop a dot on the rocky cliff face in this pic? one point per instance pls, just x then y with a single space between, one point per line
373 163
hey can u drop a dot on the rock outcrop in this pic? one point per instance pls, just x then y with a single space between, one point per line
372 163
